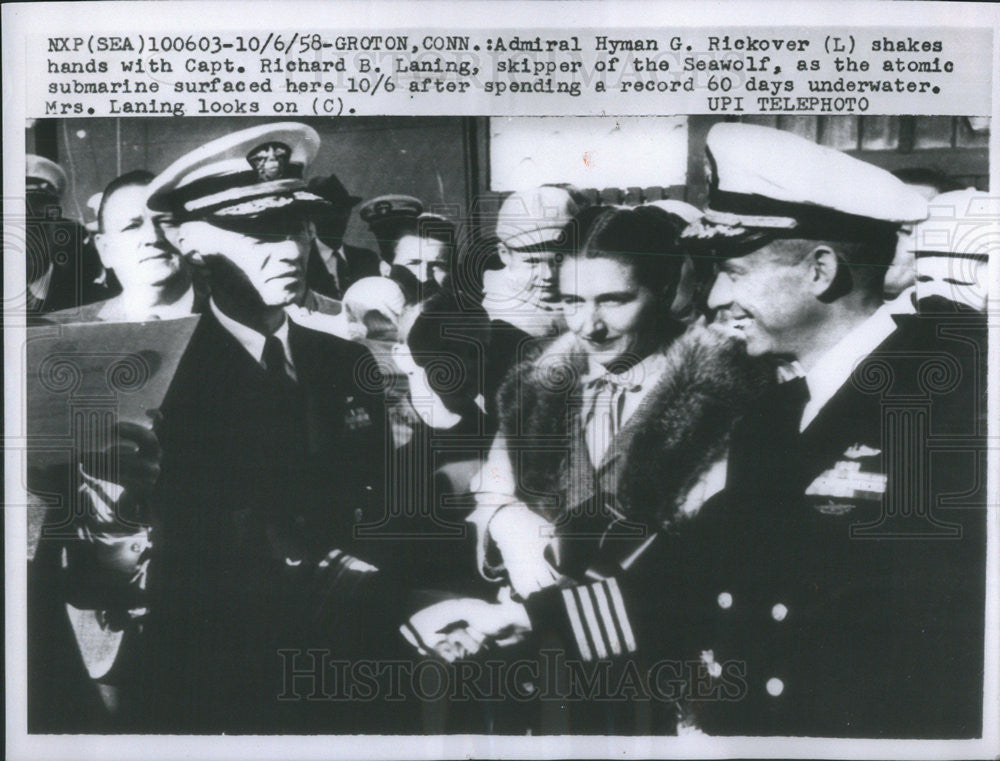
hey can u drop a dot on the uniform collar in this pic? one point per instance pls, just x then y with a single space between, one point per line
328 254
253 341
832 370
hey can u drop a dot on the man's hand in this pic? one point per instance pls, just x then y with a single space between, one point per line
460 628
124 471
522 537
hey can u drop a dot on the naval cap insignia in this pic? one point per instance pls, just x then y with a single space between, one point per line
270 161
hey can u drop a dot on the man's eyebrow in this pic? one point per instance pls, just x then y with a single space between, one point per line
616 296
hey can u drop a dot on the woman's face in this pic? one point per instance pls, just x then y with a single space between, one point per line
607 308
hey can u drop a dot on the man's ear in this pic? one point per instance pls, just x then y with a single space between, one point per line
504 253
686 288
104 250
192 256
823 267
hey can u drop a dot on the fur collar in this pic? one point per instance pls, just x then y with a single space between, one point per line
679 431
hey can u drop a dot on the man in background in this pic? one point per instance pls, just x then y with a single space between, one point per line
521 298
927 183
389 218
334 265
63 270
952 249
157 283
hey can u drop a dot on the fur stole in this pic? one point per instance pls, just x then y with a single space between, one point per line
679 431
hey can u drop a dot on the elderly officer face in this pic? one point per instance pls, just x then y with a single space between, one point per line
769 298
605 306
132 240
267 258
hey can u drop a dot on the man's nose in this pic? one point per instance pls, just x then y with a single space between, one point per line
153 235
546 271
290 251
722 292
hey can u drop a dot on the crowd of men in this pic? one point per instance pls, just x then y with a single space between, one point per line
714 459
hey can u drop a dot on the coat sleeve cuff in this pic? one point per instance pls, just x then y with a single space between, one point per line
592 619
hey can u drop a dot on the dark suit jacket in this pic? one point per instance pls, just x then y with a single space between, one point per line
360 262
836 586
257 484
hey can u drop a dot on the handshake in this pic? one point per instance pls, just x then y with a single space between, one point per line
462 627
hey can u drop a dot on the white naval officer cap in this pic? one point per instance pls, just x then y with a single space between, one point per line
766 183
536 218
685 211
961 224
43 175
244 175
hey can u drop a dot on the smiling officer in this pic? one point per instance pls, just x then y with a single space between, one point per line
832 583
837 581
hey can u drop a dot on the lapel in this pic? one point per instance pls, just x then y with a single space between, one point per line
315 364
852 415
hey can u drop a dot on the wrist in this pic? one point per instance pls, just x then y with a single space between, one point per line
514 521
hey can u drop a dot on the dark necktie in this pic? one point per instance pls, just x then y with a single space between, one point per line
791 400
765 445
275 363
343 271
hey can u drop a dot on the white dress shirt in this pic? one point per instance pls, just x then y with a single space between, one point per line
253 341
832 370
330 258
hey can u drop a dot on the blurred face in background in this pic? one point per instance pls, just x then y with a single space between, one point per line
428 259
901 272
533 273
963 280
133 241
607 308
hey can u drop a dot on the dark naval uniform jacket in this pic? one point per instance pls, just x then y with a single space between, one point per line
254 521
835 587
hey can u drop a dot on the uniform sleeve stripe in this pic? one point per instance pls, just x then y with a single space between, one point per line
577 625
619 603
592 626
597 590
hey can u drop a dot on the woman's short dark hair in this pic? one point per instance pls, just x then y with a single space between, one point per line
644 237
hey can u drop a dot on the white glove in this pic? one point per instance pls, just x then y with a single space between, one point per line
522 537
